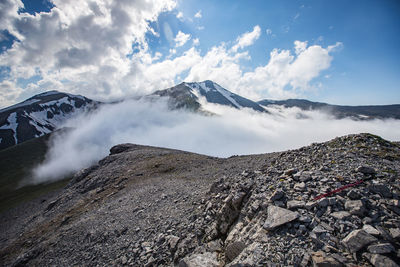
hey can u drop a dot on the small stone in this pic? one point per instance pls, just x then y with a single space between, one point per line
353 195
172 241
355 207
357 239
319 229
381 248
277 195
295 204
381 189
206 259
380 260
340 215
366 170
279 216
300 186
311 204
371 230
323 203
319 259
233 250
124 260
290 172
395 233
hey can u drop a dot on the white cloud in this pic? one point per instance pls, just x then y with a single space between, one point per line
300 47
247 38
196 41
198 14
181 38
179 15
223 135
268 31
77 42
200 28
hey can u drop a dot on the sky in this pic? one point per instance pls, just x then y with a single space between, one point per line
340 52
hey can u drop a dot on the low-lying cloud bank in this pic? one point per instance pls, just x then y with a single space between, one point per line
232 132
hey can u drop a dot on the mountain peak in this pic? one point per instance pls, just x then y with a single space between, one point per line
191 92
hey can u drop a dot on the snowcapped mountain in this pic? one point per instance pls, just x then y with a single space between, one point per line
39 115
186 95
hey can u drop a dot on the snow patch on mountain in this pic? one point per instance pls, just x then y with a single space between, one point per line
227 95
12 124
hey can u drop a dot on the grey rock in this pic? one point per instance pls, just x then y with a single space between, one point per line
357 239
120 148
320 259
206 259
323 203
278 216
340 215
355 207
380 260
233 250
380 189
381 248
371 230
300 186
353 195
172 241
124 260
366 170
295 204
277 195
395 233
290 172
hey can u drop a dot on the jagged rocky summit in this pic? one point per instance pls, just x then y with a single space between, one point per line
148 206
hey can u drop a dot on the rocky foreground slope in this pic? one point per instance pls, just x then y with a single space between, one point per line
147 206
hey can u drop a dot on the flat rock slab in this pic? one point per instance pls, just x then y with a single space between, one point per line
279 216
233 250
381 248
357 239
380 260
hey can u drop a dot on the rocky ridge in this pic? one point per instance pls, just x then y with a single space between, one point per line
146 206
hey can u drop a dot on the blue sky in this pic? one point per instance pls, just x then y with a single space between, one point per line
346 52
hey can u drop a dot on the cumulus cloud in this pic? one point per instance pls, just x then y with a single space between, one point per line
181 38
77 42
222 135
198 14
247 38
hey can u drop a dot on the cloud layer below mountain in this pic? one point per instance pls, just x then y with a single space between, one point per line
231 132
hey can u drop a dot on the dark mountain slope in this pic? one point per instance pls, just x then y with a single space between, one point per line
16 164
356 112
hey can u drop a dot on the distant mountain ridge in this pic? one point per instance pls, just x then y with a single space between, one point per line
39 115
187 95
355 112
45 112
